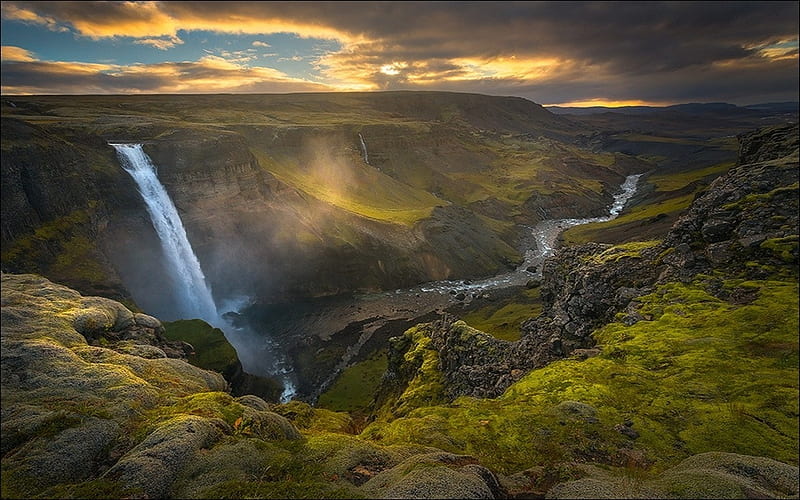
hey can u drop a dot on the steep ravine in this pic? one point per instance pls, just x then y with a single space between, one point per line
681 382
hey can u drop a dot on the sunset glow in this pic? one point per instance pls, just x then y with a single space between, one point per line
586 55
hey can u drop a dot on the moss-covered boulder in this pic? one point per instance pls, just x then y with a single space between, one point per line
208 348
436 475
707 475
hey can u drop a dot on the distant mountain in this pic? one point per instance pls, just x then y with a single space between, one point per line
776 107
689 108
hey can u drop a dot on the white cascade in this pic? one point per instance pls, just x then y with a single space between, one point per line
364 148
192 293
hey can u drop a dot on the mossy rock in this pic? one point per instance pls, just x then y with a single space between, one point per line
153 465
212 351
435 475
728 475
707 475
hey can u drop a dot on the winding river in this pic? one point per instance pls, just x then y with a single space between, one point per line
351 322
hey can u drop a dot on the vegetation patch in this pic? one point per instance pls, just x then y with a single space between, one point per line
599 231
632 250
689 381
354 389
674 181
785 248
503 319
212 349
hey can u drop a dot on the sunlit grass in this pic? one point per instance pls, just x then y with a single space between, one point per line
675 181
361 190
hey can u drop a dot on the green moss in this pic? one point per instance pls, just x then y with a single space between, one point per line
503 319
677 180
97 488
256 469
31 251
785 248
355 387
703 375
632 250
426 385
308 418
212 351
756 200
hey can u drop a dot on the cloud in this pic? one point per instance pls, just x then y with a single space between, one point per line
160 43
210 74
12 53
144 19
535 49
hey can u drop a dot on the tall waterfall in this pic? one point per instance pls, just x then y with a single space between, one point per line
191 290
364 148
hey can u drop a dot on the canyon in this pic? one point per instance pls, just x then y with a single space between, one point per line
383 239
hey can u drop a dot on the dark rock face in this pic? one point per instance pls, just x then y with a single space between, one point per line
469 358
748 214
743 213
69 188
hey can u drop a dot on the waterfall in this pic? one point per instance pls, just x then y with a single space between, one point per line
364 148
192 293
191 290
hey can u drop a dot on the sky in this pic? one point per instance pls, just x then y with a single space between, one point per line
553 53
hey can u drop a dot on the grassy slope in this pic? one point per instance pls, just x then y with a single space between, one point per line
700 374
356 386
504 318
212 349
515 166
673 192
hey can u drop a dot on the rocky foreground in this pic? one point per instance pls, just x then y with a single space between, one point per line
658 369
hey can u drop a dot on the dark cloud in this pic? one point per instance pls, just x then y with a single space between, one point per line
598 49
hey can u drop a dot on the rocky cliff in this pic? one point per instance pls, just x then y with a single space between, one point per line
645 353
275 193
654 371
96 404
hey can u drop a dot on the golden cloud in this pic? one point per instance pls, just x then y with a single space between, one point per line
23 74
160 43
12 53
154 20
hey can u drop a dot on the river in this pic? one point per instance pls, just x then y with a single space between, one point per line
347 324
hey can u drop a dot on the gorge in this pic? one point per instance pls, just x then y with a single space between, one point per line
492 302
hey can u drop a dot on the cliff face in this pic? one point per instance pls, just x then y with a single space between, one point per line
278 195
58 193
646 354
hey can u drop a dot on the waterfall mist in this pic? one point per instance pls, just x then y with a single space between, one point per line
192 293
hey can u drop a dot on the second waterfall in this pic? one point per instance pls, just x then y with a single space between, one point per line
192 293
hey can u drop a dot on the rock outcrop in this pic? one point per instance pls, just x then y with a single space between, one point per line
707 475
